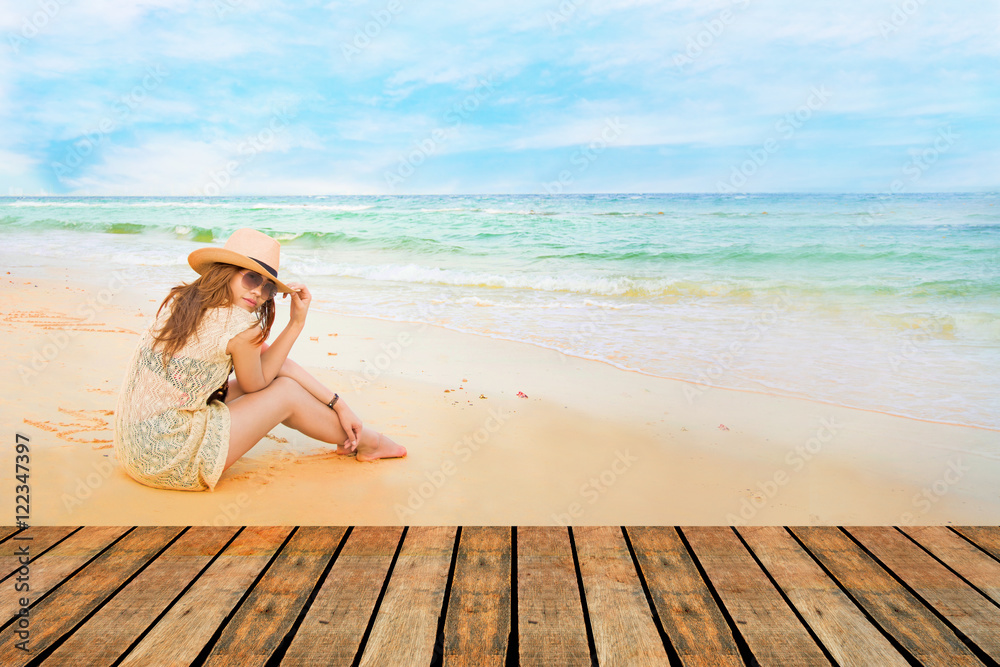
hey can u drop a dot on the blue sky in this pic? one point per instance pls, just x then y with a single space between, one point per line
235 97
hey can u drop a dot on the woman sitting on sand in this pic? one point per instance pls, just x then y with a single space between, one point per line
180 421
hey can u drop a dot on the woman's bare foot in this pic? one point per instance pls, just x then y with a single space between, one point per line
378 446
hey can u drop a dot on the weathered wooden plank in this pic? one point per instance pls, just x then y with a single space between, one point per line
551 628
620 618
477 625
406 625
970 562
771 629
7 531
844 630
332 629
58 613
52 567
914 626
184 631
986 538
107 634
696 628
270 610
964 607
36 539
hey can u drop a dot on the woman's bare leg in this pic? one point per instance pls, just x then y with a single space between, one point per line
253 415
293 370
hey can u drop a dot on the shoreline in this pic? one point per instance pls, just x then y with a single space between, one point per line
640 371
591 444
892 355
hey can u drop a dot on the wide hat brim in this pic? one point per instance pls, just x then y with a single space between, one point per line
202 258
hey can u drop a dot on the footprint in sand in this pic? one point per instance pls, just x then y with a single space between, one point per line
86 421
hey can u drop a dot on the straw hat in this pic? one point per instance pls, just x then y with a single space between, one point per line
246 248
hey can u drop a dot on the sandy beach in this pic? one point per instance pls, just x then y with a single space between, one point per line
587 443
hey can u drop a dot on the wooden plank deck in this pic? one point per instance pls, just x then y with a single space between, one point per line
502 596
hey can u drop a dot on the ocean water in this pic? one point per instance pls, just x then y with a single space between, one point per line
870 301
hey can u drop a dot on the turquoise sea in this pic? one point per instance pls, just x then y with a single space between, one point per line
871 301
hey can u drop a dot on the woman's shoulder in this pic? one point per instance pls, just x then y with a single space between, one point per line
231 318
225 313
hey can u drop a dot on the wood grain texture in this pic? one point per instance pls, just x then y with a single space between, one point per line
689 614
184 631
964 607
331 632
866 593
406 625
620 618
977 567
7 531
267 615
986 538
37 540
551 629
108 633
55 565
477 625
772 631
904 617
839 624
75 599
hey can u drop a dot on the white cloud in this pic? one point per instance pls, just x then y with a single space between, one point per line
14 164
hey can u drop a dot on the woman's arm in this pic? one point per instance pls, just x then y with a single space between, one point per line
306 379
350 421
255 368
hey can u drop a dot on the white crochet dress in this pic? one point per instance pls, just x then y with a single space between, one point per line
166 434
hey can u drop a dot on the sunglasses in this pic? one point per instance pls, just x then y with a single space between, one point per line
253 280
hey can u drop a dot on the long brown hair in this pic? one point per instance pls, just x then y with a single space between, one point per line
189 301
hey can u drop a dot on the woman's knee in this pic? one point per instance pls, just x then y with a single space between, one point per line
286 386
289 367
